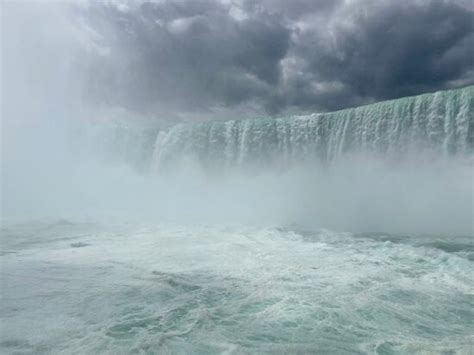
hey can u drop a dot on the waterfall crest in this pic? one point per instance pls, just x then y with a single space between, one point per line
441 124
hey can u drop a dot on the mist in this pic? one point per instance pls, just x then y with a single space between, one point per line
173 177
50 169
355 194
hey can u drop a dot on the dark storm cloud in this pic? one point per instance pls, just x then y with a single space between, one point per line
274 55
393 50
186 55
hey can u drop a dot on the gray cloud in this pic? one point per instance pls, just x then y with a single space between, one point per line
262 56
393 49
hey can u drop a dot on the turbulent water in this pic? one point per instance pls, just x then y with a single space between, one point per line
247 263
85 288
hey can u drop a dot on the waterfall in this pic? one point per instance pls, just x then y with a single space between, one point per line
441 124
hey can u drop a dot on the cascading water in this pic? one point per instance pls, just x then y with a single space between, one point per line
250 263
441 123
124 230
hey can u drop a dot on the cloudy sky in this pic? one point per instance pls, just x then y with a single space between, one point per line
225 58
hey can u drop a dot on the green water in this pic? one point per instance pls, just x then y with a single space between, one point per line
87 288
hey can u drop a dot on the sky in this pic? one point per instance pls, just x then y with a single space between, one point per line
220 59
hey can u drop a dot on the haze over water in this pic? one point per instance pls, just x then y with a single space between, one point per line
336 232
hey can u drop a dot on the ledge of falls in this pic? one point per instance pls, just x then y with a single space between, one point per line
441 124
